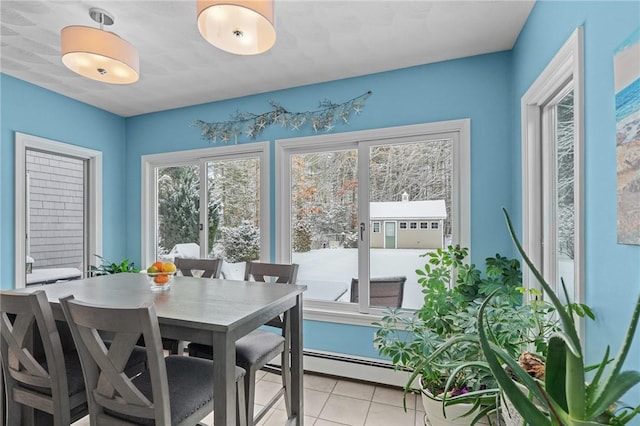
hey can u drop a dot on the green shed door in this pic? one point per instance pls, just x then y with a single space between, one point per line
389 235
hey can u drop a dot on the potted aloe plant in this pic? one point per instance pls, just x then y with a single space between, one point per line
438 342
565 396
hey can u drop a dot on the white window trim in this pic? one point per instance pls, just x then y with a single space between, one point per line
461 204
373 226
566 65
23 142
200 156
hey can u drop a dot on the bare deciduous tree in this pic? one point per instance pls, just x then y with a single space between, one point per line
325 186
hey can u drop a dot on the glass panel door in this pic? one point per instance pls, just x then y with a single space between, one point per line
178 212
559 188
324 222
409 187
233 199
56 223
212 206
347 249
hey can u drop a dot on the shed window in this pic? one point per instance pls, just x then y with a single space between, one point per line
414 225
424 225
376 226
403 225
435 225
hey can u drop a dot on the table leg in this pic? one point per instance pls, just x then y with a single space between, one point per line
297 400
224 383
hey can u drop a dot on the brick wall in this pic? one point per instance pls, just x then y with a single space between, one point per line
56 216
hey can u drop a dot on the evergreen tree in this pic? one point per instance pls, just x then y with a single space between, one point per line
241 243
179 208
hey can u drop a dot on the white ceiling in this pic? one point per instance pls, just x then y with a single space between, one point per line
317 41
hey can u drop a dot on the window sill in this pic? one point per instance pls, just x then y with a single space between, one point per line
325 314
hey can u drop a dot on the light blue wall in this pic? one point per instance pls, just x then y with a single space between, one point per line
612 270
476 88
30 109
485 88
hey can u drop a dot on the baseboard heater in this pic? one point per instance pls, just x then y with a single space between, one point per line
353 367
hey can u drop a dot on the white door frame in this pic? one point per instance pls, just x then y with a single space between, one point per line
93 215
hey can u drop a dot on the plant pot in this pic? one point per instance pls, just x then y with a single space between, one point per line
435 417
510 415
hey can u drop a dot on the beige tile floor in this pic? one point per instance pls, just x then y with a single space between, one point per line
332 401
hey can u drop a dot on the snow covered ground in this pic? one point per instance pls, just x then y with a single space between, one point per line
341 265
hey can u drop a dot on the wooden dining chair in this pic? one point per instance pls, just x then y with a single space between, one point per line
49 382
259 347
387 292
210 269
175 390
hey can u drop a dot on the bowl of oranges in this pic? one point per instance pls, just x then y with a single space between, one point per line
160 275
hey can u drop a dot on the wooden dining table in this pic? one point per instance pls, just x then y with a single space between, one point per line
216 312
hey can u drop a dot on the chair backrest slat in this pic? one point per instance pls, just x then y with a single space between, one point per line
210 267
386 292
26 319
109 388
272 272
282 273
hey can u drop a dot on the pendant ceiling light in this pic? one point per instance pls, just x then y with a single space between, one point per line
240 27
98 54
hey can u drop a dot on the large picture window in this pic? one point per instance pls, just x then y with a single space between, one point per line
333 189
202 203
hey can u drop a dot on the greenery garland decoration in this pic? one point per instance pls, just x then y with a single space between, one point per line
252 125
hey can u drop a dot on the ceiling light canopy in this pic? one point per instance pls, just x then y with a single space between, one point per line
240 27
99 55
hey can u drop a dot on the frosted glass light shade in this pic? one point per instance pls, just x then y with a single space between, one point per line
240 27
99 55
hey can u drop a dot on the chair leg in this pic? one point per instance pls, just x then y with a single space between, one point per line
250 392
241 411
285 366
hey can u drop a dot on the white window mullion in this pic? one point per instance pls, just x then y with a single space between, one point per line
283 205
363 230
532 213
549 224
204 211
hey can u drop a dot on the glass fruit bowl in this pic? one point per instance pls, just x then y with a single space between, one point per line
160 281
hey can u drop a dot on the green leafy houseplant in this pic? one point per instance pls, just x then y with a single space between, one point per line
438 342
565 397
107 267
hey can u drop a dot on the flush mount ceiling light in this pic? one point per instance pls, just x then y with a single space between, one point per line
240 27
98 54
